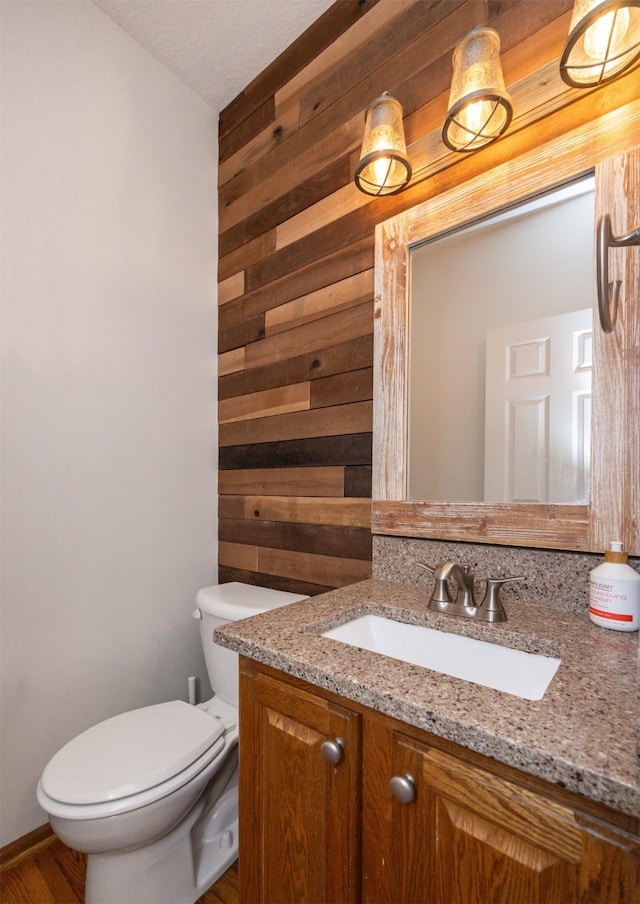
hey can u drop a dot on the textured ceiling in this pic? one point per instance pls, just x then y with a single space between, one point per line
215 46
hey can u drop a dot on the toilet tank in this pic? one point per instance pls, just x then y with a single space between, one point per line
223 603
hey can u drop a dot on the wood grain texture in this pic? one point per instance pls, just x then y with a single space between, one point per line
352 542
331 571
326 481
476 831
283 776
354 354
296 314
352 449
346 261
345 512
333 421
295 397
615 479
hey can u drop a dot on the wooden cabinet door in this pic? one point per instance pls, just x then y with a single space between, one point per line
299 813
471 837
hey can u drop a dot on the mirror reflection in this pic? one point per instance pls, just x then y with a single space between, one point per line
500 355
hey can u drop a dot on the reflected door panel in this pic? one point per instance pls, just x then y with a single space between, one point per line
538 410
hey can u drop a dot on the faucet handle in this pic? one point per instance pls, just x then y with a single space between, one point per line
441 590
492 604
430 568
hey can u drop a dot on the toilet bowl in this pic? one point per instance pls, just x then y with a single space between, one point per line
151 795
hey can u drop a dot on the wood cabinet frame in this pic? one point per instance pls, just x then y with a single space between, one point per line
605 145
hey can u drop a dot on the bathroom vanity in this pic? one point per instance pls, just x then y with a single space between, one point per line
367 778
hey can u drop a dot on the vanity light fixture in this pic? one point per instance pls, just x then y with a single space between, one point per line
480 109
604 41
384 167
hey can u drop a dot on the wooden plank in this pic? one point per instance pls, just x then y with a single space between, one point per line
347 293
357 482
266 403
335 21
350 542
231 288
319 334
246 255
334 571
314 365
284 122
230 507
238 555
354 386
615 471
72 865
59 887
285 208
25 886
308 510
390 341
252 124
341 49
250 330
346 261
539 526
330 207
245 195
324 481
277 582
352 449
333 421
231 362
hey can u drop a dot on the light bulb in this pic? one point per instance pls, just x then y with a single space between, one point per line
606 36
475 115
381 168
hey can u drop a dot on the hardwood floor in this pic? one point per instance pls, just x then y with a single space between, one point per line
54 874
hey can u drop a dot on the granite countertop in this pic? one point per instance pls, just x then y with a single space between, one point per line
583 734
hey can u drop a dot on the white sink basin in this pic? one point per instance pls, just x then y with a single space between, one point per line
525 675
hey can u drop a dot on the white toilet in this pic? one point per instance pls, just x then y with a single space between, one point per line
151 795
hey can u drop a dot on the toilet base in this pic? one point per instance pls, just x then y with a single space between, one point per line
181 866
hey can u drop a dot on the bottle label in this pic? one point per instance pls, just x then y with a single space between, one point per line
614 616
616 601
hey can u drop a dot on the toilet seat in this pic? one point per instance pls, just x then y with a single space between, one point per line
130 760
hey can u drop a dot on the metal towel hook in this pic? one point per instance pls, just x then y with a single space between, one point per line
609 293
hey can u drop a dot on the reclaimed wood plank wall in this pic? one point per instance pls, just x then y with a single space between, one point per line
296 256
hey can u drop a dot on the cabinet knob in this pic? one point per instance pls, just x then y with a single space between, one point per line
403 788
332 750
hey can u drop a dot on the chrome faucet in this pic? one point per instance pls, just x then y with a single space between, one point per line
489 610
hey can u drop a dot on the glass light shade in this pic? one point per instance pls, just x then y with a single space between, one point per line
384 167
480 109
604 40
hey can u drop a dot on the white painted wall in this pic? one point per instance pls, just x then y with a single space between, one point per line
109 383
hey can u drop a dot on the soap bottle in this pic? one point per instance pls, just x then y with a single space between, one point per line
614 592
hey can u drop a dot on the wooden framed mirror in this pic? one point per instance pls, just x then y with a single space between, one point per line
606 146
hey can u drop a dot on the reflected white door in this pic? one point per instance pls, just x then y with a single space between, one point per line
538 410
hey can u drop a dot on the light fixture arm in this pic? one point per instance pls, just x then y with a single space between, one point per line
609 293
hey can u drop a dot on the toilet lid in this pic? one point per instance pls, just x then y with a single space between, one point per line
131 753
